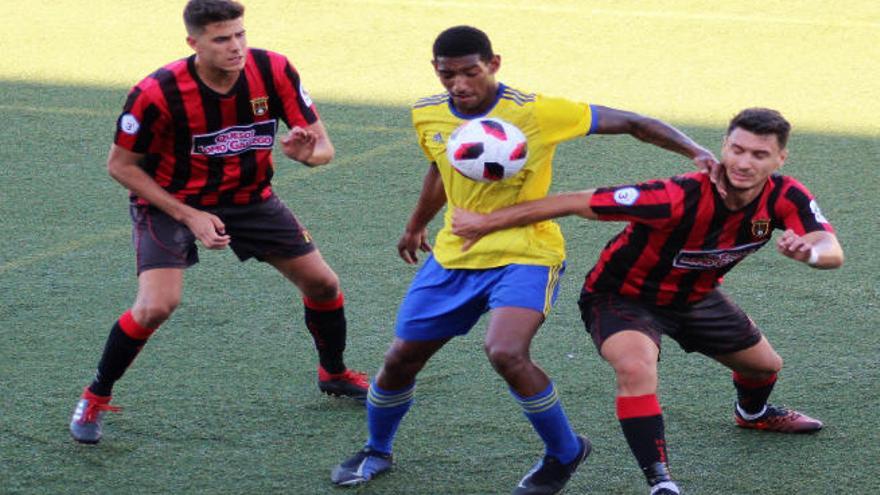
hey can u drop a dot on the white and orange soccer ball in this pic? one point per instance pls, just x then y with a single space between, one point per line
487 149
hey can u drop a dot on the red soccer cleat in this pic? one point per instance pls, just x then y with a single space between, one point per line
349 383
781 420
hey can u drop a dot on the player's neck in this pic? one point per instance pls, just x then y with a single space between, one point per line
738 198
221 81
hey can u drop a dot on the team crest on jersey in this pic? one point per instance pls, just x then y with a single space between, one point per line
760 228
260 106
438 138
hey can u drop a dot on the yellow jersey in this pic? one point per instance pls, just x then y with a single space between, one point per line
546 122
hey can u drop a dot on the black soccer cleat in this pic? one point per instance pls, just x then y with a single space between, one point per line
361 468
549 476
349 383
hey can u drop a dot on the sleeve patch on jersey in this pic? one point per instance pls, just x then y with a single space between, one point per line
626 196
129 124
814 207
305 95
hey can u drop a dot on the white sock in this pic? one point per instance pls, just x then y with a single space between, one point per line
669 485
750 417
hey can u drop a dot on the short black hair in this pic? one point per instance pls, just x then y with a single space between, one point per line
459 41
762 121
199 13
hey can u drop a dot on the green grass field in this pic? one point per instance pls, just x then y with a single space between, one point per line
223 399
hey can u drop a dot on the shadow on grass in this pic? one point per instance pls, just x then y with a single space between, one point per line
228 384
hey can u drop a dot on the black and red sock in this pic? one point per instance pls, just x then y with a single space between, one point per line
752 394
641 419
125 341
326 322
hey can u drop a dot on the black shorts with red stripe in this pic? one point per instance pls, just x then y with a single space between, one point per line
712 326
261 230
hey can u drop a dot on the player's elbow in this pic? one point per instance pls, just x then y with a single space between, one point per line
114 168
836 261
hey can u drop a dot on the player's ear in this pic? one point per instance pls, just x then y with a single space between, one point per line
782 156
494 63
191 41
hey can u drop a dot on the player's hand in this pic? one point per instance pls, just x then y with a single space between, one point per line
410 243
706 162
208 229
299 144
468 225
794 246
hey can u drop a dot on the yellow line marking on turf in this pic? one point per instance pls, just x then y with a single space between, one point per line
62 249
88 112
79 112
345 161
91 240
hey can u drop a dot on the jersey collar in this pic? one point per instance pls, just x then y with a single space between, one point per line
498 93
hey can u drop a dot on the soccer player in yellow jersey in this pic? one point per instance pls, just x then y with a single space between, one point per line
512 274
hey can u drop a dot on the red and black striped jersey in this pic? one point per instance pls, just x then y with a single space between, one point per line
210 149
681 239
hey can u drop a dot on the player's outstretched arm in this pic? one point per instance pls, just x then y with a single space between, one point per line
415 234
819 249
122 165
472 226
654 131
309 145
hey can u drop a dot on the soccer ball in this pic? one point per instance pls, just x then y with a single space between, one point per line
487 149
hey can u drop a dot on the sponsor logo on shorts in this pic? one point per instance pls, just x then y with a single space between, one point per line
626 196
714 259
236 140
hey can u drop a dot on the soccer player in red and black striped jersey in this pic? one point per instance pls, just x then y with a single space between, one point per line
660 275
194 147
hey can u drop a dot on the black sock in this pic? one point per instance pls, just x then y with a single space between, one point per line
328 329
752 395
641 419
646 438
119 352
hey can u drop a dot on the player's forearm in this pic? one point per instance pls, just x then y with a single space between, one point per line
431 200
826 252
323 151
320 156
559 205
647 129
143 186
665 136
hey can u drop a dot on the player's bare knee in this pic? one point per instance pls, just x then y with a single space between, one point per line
322 289
775 364
152 313
506 359
634 371
400 364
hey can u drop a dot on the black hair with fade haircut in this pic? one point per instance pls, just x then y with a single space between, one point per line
199 13
762 121
459 41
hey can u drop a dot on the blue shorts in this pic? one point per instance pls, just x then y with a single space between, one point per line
443 303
